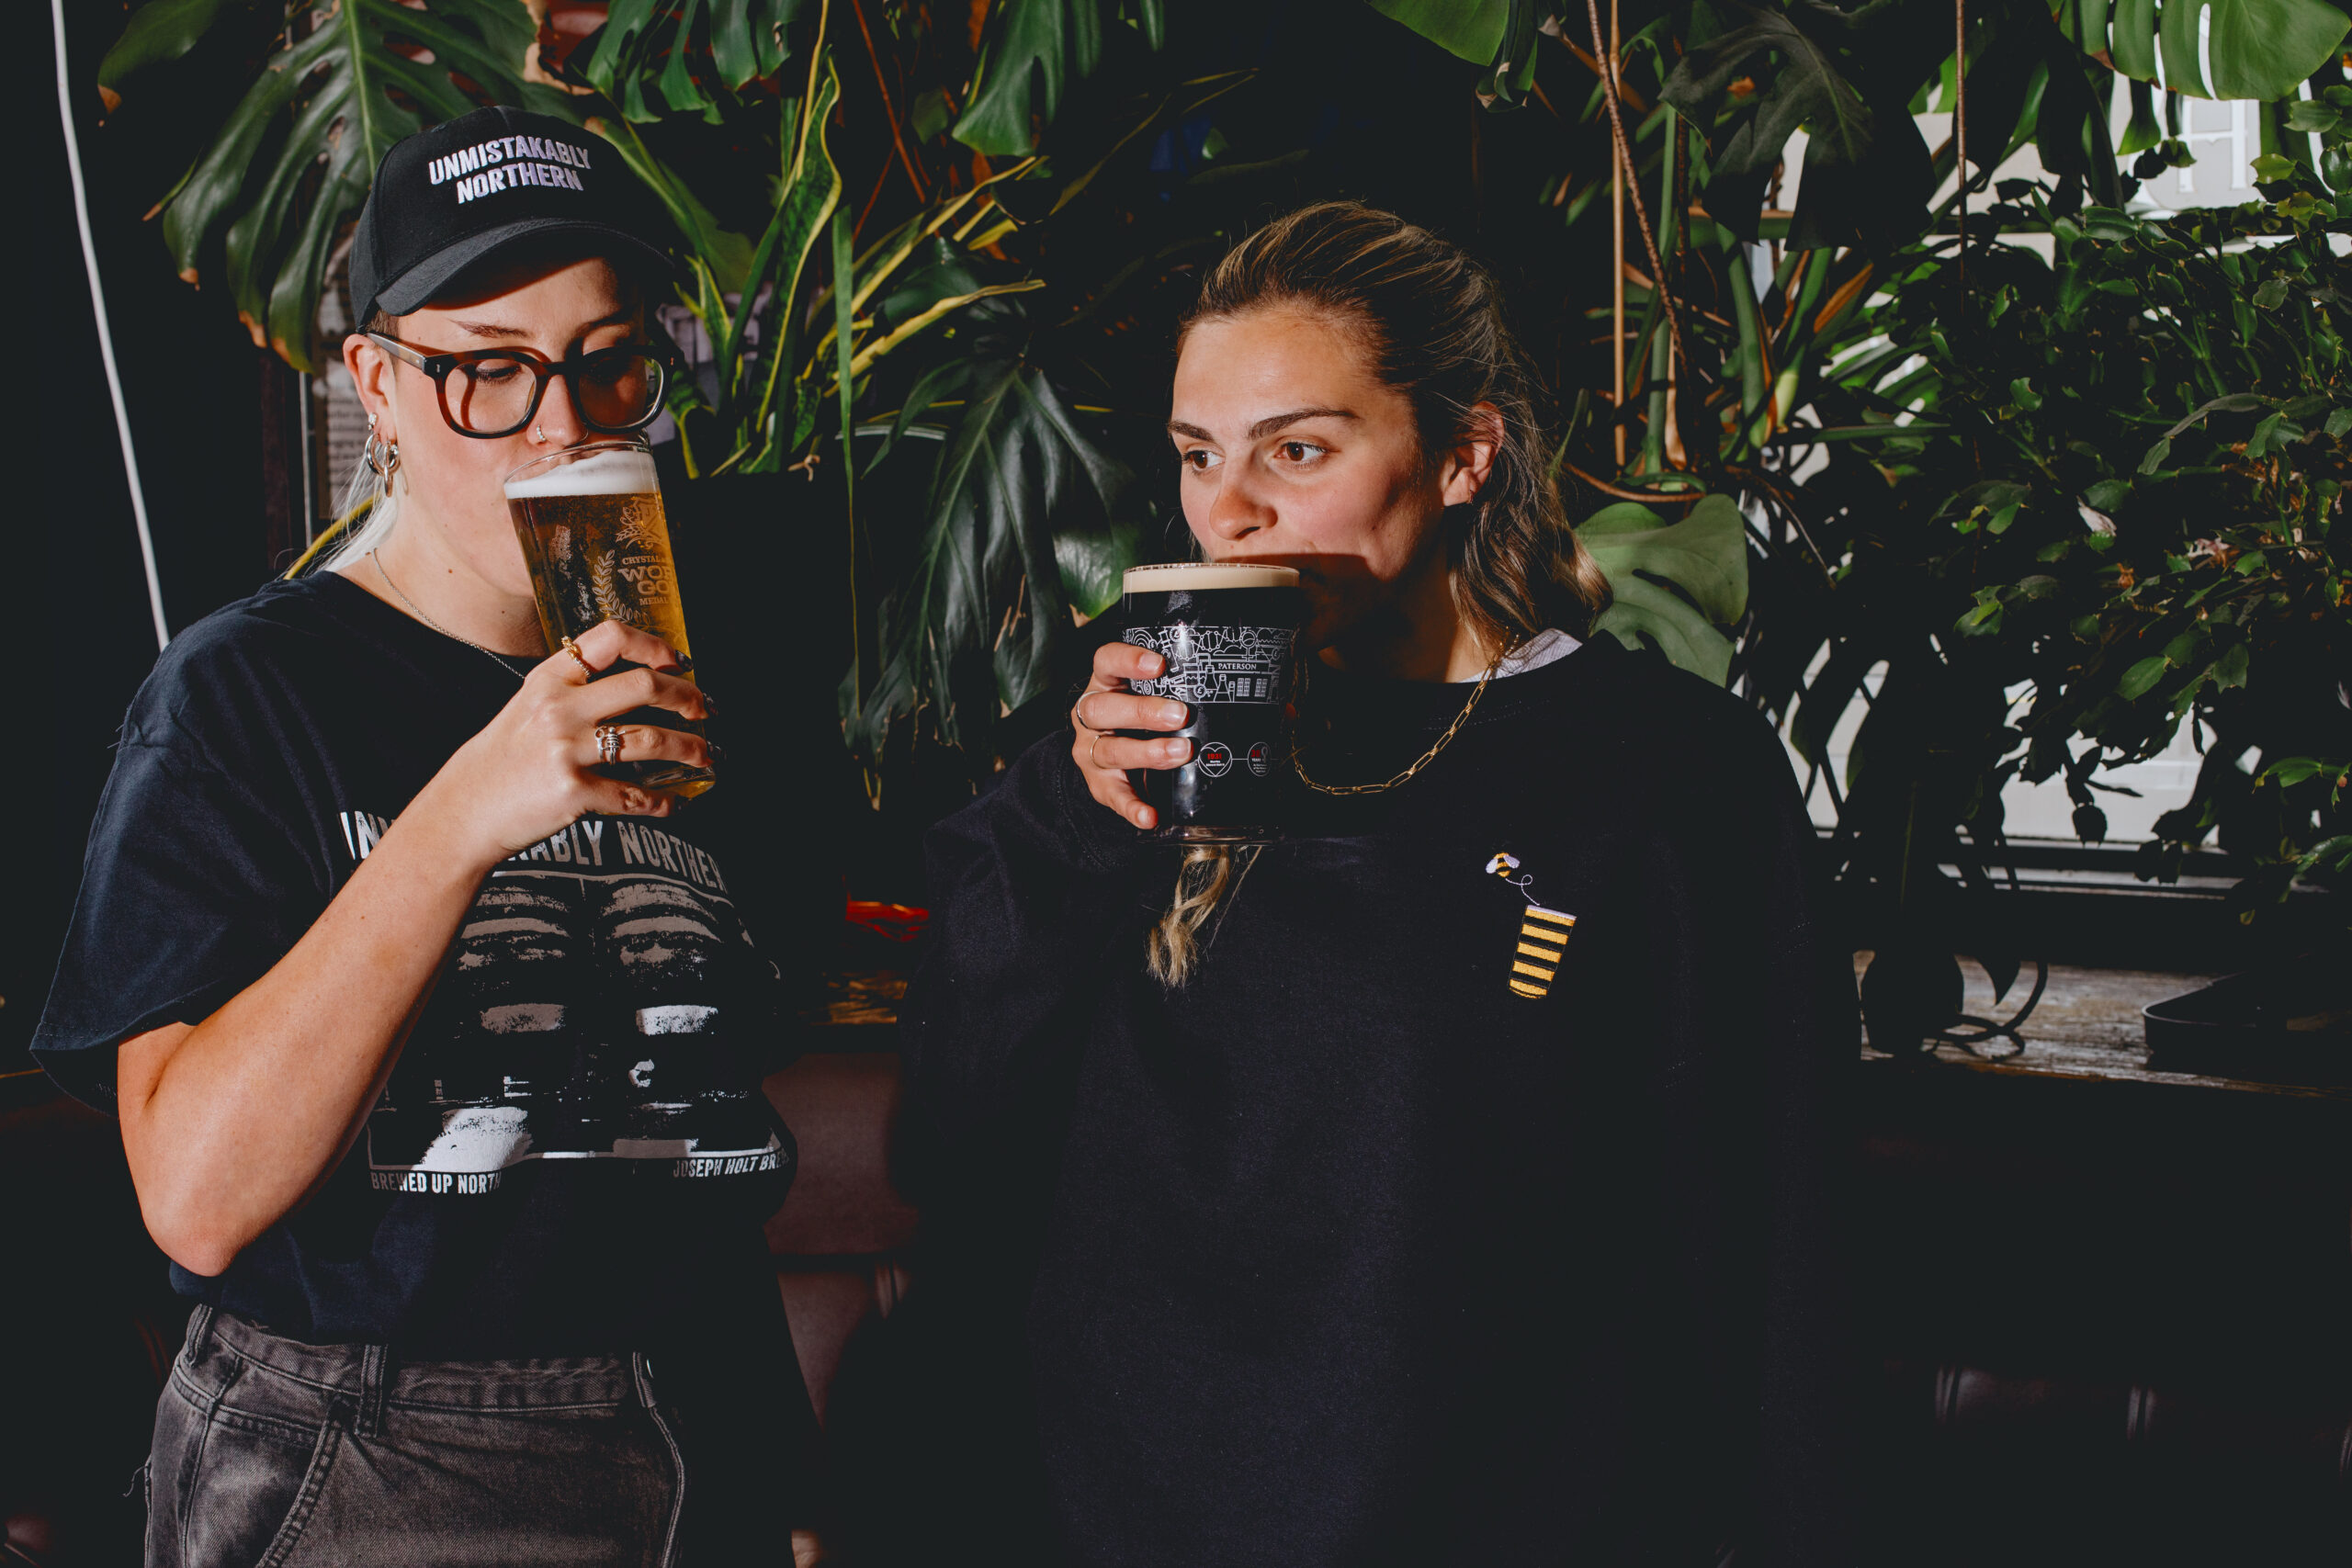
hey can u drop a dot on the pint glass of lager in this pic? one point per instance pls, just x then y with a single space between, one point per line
1227 632
598 546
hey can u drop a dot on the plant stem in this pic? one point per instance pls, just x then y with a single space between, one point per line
1663 358
922 187
847 394
1625 158
1960 135
1616 250
1754 422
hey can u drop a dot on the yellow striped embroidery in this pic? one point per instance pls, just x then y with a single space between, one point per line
1542 938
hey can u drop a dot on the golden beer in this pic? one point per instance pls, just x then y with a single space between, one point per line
597 543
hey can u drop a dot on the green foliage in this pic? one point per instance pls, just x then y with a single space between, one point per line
742 421
2258 49
272 188
1498 34
1952 413
1810 67
2155 537
1027 520
1471 29
159 33
1032 49
686 51
2109 480
1675 586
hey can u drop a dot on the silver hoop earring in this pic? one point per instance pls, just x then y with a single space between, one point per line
382 458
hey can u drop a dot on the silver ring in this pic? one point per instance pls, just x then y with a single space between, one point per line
1078 714
1098 735
608 744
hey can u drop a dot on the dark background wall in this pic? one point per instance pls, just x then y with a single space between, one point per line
192 380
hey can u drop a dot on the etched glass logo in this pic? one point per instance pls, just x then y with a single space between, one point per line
1217 664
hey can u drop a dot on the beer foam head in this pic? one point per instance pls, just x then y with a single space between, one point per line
617 471
1194 577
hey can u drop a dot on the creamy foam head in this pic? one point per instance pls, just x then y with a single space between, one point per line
599 473
1194 577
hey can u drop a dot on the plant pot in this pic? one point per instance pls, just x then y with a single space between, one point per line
2288 1025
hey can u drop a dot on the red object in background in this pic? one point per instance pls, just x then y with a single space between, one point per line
897 922
567 23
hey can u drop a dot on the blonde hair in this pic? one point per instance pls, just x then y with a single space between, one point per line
371 507
371 499
1431 321
1172 948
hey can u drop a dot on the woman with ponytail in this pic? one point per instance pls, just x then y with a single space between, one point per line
1448 1181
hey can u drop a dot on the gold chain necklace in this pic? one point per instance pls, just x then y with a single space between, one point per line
1426 758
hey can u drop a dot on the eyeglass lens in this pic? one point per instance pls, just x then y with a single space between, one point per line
616 390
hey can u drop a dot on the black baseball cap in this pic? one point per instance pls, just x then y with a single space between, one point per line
453 197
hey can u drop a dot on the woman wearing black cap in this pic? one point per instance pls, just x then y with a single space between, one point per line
436 1059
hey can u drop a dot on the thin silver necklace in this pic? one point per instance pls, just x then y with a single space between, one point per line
417 610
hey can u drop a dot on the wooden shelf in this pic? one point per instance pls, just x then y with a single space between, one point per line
2087 1027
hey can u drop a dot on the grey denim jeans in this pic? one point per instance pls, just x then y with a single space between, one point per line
270 1451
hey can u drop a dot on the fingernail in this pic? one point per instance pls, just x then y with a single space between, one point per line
717 753
1172 714
685 664
1175 749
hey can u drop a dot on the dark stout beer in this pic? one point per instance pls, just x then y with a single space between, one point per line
1228 633
593 535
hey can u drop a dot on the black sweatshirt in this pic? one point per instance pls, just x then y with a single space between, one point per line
1422 1225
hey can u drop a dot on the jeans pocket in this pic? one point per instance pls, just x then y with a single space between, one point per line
251 1491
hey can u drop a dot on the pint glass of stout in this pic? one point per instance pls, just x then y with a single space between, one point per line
598 546
1228 633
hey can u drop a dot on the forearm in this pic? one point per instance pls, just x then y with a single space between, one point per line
230 1124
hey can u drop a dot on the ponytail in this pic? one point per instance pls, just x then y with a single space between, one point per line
1173 949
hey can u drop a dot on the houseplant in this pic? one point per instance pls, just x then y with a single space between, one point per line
972 231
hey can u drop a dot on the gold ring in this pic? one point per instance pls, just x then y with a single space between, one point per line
580 658
1092 745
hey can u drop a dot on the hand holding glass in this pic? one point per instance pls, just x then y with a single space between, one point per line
597 543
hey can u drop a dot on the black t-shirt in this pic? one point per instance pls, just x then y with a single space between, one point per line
572 1149
1472 1201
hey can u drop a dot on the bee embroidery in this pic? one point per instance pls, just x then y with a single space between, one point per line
1542 933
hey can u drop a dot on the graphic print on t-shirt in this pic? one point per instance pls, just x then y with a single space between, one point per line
1542 937
584 1013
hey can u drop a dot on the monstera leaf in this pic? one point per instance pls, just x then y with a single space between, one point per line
161 32
1802 86
684 49
2256 49
1648 560
1845 79
1498 34
293 162
1031 48
1025 511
